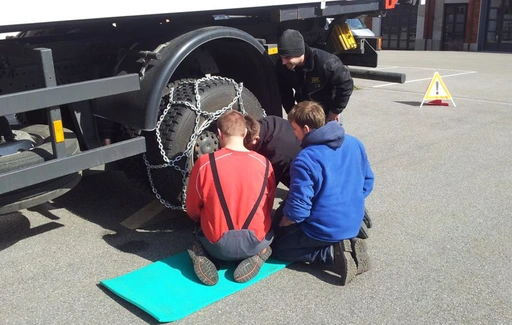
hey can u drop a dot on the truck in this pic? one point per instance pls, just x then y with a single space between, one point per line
138 87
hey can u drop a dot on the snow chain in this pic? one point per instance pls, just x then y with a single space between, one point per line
198 129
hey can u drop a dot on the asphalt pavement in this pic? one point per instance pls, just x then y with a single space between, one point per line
441 248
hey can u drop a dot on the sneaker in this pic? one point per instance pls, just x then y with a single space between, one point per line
204 268
363 231
344 264
249 268
366 219
360 254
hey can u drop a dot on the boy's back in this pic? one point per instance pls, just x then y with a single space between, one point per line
240 187
330 178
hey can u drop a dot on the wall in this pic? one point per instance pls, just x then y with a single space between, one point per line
420 43
473 22
437 26
430 25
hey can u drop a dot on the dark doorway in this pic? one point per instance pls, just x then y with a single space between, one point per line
399 27
498 35
454 26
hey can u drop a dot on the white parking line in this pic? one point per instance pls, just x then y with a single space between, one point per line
423 79
419 68
483 101
457 98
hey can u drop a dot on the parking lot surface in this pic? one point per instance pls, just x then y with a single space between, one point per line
441 247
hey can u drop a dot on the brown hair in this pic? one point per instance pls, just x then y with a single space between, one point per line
232 123
307 113
253 128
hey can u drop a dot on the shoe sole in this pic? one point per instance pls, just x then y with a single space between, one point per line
343 261
250 267
360 255
204 269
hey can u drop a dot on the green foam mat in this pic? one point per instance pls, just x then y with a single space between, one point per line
169 290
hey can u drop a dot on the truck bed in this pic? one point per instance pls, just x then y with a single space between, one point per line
13 18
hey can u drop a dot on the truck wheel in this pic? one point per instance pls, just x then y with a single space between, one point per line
177 128
42 151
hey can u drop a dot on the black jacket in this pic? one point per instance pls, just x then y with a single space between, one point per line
279 144
323 78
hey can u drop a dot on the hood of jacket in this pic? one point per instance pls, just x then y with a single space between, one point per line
266 133
331 134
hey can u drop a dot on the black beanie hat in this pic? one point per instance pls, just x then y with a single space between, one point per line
291 43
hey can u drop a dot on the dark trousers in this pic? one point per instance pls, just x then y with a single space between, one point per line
234 245
295 246
292 244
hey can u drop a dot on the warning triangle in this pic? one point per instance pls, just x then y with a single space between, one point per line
436 91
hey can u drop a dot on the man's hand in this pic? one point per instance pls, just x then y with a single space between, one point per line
333 117
285 222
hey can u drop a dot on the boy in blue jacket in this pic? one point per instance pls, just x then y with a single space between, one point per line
330 179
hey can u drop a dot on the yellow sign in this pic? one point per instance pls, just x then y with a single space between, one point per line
272 50
437 90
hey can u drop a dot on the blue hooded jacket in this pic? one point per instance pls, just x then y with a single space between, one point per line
330 178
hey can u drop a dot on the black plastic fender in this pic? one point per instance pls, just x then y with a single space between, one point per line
140 109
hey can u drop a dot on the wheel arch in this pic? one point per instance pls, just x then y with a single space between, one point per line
141 109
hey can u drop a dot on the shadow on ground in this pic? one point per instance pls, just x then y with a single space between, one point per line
410 103
322 273
130 307
108 198
15 227
281 193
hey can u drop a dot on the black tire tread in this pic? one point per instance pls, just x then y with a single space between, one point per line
173 129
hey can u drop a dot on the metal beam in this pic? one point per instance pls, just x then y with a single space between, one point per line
378 75
331 9
345 9
54 168
54 96
53 113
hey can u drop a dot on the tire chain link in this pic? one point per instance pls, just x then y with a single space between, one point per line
198 129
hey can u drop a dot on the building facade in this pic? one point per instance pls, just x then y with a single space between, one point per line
447 25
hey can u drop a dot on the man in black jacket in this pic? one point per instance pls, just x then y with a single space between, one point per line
313 74
273 138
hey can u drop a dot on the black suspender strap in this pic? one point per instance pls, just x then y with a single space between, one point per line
257 204
222 199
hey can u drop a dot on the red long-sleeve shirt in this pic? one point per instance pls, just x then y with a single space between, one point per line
241 177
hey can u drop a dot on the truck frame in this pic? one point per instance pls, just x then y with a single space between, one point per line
139 87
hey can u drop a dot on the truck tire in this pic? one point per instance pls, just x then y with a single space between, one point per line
178 126
45 191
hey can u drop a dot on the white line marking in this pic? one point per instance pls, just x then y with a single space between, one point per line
422 68
455 98
483 101
423 79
